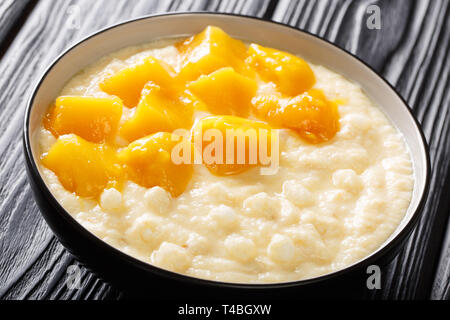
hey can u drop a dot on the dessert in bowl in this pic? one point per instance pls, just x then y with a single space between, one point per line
337 185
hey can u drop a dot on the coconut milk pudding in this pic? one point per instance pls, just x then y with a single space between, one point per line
342 178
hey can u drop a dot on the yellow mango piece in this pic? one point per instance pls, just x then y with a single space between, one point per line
291 74
93 119
149 163
158 110
310 114
210 50
83 167
236 153
225 92
128 83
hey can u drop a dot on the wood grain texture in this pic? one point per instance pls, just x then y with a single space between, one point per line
11 13
411 50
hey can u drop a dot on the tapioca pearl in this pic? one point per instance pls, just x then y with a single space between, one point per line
218 193
289 212
243 192
147 234
308 242
206 222
318 159
262 205
240 248
257 229
374 177
281 249
310 237
158 200
351 251
295 192
311 181
143 229
132 197
224 216
336 197
335 158
368 214
353 126
364 223
348 180
111 199
71 203
359 122
171 256
326 224
346 132
357 159
197 244
46 140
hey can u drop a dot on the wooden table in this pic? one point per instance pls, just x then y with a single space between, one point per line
411 50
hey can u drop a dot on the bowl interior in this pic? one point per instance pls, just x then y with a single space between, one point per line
275 35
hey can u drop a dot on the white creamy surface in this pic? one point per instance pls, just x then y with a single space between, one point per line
329 205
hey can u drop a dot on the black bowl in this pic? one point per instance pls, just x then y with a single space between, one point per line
142 279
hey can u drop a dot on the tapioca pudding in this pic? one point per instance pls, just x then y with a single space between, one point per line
341 178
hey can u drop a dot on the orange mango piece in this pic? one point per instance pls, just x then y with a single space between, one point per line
310 114
158 110
128 83
225 92
210 50
93 119
149 162
291 74
83 167
237 153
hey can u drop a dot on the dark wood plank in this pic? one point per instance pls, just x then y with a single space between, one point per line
441 284
12 15
411 50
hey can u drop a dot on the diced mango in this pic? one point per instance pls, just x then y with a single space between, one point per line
128 83
225 92
234 146
209 51
310 114
149 162
83 167
93 119
289 73
158 110
217 74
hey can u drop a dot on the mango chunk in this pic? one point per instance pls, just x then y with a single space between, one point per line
149 162
310 114
158 110
225 92
83 167
231 145
93 119
210 50
289 73
128 83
